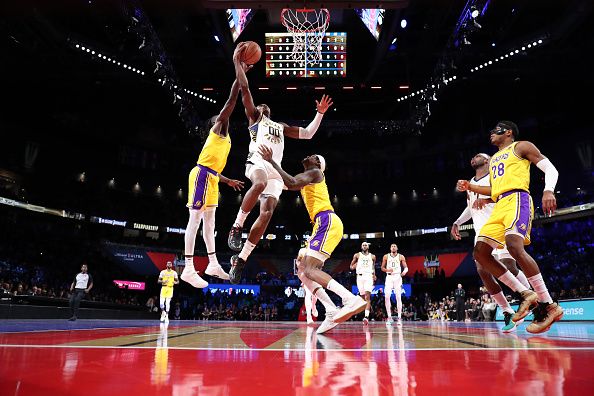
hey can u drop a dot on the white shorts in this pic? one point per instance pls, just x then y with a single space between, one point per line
499 254
393 282
364 283
274 186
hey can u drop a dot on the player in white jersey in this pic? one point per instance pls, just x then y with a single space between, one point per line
310 298
267 184
167 278
394 265
364 265
479 209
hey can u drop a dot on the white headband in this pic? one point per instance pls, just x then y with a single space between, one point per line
322 162
485 156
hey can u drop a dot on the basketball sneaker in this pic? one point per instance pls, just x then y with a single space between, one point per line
328 323
190 276
217 271
314 311
545 315
237 264
389 321
510 325
355 305
234 240
365 321
310 321
163 315
399 322
529 302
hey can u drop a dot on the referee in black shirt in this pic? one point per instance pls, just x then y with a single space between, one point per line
82 284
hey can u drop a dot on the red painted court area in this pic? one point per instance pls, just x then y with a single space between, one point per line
239 358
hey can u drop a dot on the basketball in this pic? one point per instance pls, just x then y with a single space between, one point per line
251 53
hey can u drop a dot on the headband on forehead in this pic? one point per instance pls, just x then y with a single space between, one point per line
322 162
485 156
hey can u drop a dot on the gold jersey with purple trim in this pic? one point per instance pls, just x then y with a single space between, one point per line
215 152
316 198
508 171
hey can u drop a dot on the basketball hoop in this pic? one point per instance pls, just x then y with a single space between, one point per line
308 28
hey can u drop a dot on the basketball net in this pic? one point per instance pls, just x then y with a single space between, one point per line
308 28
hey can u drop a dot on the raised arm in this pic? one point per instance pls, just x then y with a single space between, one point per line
308 132
229 106
296 182
246 96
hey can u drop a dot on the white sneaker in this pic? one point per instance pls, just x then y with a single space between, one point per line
217 271
191 276
310 321
352 307
365 321
314 311
389 321
328 324
399 322
162 316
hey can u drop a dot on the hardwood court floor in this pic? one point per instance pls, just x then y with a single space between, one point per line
41 357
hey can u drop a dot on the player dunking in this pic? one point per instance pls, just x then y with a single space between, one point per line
310 298
394 265
326 235
364 265
167 278
203 193
267 184
479 216
511 221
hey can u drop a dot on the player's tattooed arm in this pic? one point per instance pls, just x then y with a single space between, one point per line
308 132
354 262
403 263
246 96
292 182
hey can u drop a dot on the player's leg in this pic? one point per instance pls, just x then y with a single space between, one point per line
162 306
398 292
268 202
259 178
389 286
367 305
314 301
496 292
208 231
509 262
189 273
547 311
315 289
167 307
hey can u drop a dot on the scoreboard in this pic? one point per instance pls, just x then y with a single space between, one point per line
279 64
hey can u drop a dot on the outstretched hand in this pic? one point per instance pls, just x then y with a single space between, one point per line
238 51
237 185
463 185
265 152
324 104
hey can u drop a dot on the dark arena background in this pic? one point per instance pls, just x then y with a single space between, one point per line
105 105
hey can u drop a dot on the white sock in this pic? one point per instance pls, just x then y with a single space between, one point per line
367 313
308 305
510 280
502 302
208 231
522 278
540 288
339 289
191 231
248 247
324 298
399 306
189 264
240 219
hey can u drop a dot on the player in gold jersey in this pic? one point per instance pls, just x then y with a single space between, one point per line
203 193
167 278
511 221
327 233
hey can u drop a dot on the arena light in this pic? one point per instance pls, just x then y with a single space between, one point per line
376 87
403 23
404 87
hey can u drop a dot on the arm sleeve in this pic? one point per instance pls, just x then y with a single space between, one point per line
90 280
551 174
309 131
464 217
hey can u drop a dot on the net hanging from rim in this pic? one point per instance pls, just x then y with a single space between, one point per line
308 28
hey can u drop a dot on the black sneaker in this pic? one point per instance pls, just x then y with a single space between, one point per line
72 319
237 265
234 240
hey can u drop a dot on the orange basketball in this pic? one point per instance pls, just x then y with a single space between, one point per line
251 53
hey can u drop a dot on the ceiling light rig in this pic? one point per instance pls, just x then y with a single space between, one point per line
100 56
513 52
